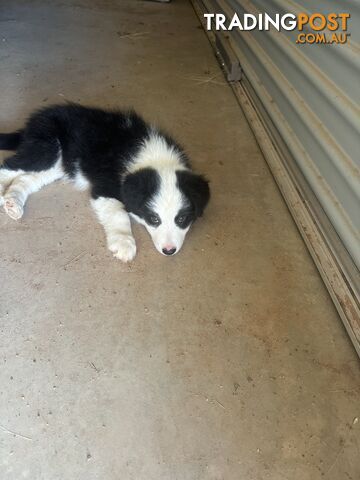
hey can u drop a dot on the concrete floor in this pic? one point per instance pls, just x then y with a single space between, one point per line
227 361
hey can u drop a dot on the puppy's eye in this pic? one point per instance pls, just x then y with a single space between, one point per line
181 219
154 220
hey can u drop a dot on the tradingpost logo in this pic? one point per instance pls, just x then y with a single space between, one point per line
319 28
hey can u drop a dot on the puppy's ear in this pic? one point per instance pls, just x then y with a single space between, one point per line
195 188
138 188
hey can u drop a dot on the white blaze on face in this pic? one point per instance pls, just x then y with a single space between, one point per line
166 204
165 159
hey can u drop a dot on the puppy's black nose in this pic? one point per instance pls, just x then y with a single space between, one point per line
169 251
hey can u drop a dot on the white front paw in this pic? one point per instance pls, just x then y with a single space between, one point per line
123 247
13 208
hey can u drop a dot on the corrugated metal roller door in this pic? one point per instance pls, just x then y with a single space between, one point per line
311 94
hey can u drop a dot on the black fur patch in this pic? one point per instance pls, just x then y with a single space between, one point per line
96 142
10 141
195 188
138 188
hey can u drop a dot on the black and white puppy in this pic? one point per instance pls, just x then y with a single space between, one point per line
128 165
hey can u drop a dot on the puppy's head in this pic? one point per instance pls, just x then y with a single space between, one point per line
166 202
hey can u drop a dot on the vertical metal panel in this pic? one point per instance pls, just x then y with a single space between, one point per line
311 93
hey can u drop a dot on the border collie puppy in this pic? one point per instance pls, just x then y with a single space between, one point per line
129 167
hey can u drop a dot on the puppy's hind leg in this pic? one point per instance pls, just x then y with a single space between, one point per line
24 185
6 177
116 222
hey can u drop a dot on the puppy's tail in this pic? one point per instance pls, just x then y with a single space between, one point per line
10 141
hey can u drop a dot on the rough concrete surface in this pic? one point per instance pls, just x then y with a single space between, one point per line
227 361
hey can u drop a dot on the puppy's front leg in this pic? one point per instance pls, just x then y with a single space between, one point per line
116 222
